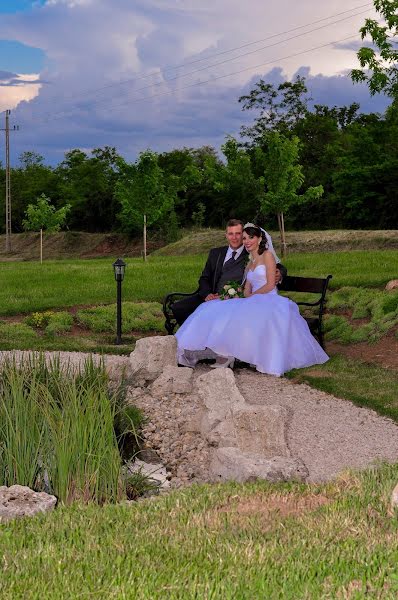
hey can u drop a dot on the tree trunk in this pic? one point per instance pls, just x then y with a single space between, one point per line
41 246
281 225
144 237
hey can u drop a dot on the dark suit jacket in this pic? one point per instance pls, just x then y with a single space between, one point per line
212 271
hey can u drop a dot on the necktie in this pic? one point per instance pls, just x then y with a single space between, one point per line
232 259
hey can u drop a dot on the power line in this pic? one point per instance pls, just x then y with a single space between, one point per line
54 116
197 83
198 60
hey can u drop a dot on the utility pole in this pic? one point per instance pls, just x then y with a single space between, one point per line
8 180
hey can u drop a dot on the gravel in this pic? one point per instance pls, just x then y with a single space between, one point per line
328 434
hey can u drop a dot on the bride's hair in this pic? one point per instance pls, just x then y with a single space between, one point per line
255 230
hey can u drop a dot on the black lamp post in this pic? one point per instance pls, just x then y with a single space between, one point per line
118 268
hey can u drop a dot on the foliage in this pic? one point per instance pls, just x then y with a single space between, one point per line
43 215
283 177
379 68
280 109
39 319
143 189
69 446
379 308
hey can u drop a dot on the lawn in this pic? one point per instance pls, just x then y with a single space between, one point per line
223 542
28 286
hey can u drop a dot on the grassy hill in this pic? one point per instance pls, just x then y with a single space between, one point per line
73 244
198 242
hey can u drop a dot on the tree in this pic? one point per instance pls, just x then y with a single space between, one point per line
279 109
239 188
379 69
43 215
283 178
146 195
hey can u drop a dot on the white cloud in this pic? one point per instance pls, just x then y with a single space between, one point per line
12 95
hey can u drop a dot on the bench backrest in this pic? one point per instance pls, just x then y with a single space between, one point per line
310 285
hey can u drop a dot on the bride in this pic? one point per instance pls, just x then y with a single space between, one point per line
263 328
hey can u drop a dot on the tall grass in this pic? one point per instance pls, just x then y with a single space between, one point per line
57 431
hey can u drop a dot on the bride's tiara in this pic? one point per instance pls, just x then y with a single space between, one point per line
251 225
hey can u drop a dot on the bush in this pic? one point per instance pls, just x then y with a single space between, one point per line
40 320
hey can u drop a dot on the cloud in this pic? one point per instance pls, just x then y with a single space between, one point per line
107 81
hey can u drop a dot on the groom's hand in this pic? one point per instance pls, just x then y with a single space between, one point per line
278 276
211 297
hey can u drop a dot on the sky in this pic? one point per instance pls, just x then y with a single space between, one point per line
164 74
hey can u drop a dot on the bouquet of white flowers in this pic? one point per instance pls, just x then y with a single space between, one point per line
232 289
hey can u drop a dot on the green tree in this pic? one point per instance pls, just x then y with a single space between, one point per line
44 216
379 67
88 183
238 187
283 178
280 109
146 195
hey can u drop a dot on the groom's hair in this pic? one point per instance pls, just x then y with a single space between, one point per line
234 223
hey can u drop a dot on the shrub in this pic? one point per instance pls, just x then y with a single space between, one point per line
40 320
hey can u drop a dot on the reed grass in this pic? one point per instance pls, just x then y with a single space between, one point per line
57 431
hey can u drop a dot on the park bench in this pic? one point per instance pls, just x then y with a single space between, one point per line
290 283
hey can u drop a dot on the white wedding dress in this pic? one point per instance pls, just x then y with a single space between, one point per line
265 330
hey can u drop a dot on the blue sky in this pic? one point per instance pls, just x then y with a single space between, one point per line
89 73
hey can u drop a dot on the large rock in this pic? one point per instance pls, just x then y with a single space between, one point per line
392 285
218 392
261 430
20 501
230 464
176 380
151 355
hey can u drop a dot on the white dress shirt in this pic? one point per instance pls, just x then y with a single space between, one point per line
229 253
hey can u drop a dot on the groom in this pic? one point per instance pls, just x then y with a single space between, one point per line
223 264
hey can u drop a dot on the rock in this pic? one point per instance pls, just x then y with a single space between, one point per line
392 285
231 464
394 497
151 355
218 392
176 380
155 472
20 501
261 430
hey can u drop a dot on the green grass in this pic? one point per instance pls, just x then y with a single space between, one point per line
366 385
64 430
142 316
22 337
29 287
224 542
